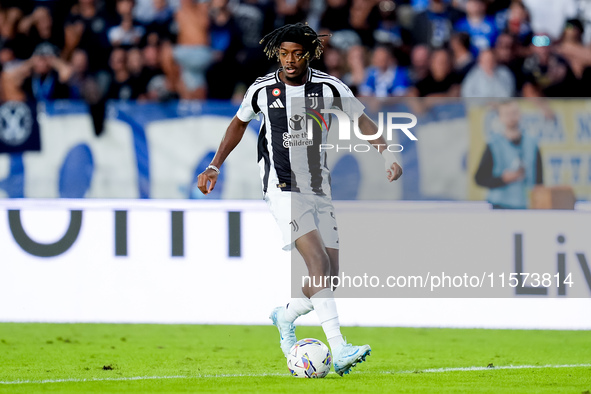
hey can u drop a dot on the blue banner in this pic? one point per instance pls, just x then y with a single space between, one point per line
19 129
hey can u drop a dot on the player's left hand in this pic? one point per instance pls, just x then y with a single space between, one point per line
394 172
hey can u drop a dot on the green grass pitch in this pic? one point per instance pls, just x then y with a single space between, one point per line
102 358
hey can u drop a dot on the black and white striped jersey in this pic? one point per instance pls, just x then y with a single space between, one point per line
288 159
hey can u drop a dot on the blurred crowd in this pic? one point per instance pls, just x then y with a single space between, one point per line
195 49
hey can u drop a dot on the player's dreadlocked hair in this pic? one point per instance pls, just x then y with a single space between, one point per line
299 33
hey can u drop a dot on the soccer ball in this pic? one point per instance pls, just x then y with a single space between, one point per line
309 358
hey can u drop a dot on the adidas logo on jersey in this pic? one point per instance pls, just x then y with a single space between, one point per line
276 104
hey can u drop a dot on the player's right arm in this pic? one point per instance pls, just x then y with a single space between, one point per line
248 111
230 140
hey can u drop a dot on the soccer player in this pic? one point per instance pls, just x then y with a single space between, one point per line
295 178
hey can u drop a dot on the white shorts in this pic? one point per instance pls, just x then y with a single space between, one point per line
297 214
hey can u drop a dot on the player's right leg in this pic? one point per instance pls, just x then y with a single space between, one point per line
291 226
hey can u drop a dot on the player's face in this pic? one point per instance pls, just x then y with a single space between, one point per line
291 57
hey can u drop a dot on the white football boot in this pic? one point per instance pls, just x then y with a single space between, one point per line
286 329
347 356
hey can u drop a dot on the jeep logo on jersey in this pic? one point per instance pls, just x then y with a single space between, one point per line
296 122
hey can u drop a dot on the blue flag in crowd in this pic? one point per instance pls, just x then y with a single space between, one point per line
19 129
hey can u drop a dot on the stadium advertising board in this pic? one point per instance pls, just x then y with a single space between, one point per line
169 261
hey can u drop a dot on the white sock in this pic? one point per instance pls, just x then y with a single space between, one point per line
326 309
297 307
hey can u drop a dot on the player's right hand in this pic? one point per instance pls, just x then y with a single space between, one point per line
206 176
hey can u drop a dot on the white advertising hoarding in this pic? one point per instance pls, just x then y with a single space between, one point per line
221 262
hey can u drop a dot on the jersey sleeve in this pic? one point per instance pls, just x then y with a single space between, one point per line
247 111
348 103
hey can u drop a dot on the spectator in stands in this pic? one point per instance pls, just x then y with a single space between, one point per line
515 21
122 87
43 77
356 65
388 30
420 57
336 16
337 20
192 52
291 11
156 85
84 85
144 11
162 23
481 28
9 19
148 11
226 43
139 75
441 80
434 26
8 59
8 63
488 79
36 28
207 54
546 73
364 19
463 60
511 164
577 55
419 5
151 59
86 28
335 63
506 54
254 19
127 32
159 89
571 47
494 7
385 77
79 74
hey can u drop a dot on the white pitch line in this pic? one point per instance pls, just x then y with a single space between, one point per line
439 370
260 375
238 375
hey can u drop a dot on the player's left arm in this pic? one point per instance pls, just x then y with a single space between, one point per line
368 127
